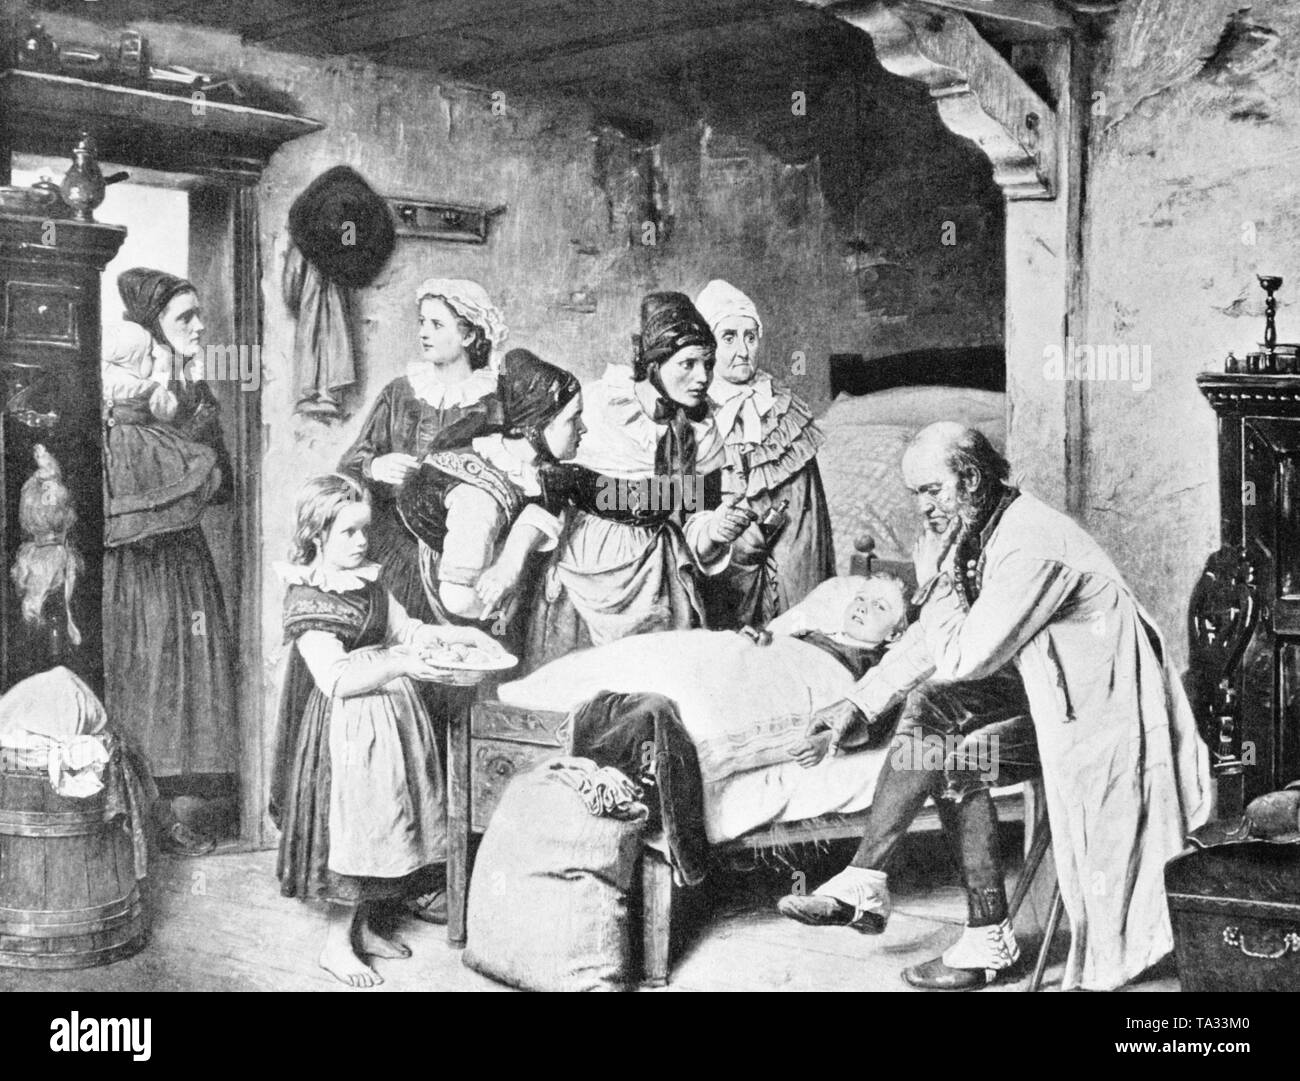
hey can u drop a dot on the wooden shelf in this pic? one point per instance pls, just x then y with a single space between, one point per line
42 114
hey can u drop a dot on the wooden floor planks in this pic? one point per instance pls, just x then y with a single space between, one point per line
220 924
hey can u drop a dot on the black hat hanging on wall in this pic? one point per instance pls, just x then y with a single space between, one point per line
342 236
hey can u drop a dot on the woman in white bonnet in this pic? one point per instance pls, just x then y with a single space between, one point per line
446 398
770 447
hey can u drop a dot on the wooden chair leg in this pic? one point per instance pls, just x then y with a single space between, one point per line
458 826
1037 850
1053 921
656 917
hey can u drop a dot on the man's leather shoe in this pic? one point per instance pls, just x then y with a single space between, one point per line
936 976
822 911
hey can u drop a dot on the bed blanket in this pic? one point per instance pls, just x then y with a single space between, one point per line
741 703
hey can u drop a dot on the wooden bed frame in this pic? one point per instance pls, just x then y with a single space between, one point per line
505 740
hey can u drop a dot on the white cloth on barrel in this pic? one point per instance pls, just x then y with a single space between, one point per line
53 721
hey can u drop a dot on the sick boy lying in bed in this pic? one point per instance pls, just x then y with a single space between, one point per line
746 698
875 616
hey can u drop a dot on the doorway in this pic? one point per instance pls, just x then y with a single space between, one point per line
185 225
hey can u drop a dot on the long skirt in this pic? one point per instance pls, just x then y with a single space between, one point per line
169 656
608 580
365 809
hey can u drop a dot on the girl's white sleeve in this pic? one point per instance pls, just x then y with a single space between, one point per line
405 631
328 662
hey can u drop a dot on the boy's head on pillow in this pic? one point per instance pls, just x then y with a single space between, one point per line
878 611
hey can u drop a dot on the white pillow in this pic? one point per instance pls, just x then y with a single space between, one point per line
822 609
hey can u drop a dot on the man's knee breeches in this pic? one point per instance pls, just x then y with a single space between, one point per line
971 736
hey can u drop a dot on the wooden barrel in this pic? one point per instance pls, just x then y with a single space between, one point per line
68 892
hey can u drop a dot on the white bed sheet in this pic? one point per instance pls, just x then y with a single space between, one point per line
789 793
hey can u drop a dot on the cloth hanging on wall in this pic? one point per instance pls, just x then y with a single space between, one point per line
342 235
324 361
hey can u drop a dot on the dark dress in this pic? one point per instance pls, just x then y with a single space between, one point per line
168 652
300 779
403 423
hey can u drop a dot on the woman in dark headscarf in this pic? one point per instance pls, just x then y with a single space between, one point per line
459 503
169 658
638 535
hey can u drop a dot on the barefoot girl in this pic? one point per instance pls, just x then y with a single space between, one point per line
357 790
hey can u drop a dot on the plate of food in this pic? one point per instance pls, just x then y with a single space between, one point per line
466 662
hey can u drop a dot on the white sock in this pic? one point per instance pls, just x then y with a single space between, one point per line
992 948
866 890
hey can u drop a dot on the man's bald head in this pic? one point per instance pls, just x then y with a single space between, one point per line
954 471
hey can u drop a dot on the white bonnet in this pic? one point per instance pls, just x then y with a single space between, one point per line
470 301
720 299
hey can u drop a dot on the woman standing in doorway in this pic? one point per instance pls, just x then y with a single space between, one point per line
168 653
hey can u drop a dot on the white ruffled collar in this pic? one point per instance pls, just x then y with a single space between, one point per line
514 457
759 388
626 411
622 438
428 387
329 580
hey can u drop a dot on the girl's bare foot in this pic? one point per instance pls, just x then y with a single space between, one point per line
374 944
337 957
346 967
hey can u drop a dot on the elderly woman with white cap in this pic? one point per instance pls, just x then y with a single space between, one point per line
445 399
770 444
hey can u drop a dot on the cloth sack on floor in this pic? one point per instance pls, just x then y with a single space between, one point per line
548 901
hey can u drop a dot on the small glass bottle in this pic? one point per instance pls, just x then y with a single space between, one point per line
774 520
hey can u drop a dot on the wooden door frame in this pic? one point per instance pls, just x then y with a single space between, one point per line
236 165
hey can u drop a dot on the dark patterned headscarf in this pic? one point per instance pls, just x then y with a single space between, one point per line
533 393
146 294
669 324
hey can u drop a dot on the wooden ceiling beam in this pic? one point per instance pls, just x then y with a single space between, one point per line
557 61
978 94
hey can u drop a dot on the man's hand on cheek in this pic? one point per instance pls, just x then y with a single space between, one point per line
930 549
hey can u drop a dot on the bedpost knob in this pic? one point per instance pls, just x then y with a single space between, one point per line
866 544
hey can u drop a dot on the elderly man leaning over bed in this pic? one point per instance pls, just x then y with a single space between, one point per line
1125 772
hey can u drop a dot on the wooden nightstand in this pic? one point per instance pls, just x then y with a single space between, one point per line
500 741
